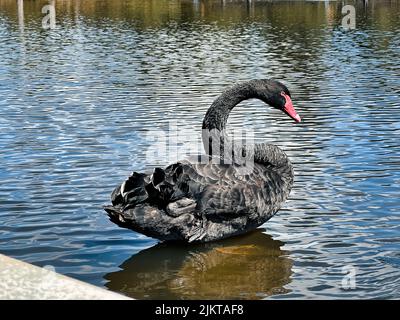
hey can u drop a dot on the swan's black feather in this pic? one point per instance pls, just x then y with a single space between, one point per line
200 196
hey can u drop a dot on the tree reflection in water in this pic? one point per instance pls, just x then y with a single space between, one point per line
246 267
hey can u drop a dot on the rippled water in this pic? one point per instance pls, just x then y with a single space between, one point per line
75 102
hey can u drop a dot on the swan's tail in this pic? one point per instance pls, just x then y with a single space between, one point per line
156 205
157 189
150 221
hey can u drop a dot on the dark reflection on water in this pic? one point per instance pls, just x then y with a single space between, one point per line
75 103
247 267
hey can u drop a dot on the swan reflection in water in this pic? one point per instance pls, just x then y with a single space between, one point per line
251 266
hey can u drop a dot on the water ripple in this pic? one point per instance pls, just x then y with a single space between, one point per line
76 103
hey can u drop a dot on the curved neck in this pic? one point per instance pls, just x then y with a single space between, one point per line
215 120
218 113
214 125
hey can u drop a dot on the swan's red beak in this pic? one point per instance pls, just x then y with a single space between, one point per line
289 109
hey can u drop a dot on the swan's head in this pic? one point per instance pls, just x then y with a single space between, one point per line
276 95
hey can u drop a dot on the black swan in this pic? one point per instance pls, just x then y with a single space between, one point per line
201 201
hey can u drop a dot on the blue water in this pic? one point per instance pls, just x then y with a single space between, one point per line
75 103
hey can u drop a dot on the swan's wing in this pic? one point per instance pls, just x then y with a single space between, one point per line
239 193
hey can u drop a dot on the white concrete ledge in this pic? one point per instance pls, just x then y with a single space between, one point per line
23 281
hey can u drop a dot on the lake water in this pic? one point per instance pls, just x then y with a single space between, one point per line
76 101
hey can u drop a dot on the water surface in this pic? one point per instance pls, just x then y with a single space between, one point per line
76 101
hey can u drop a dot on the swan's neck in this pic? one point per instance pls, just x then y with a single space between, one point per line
218 113
216 118
214 125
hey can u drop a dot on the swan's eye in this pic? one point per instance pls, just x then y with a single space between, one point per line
285 98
